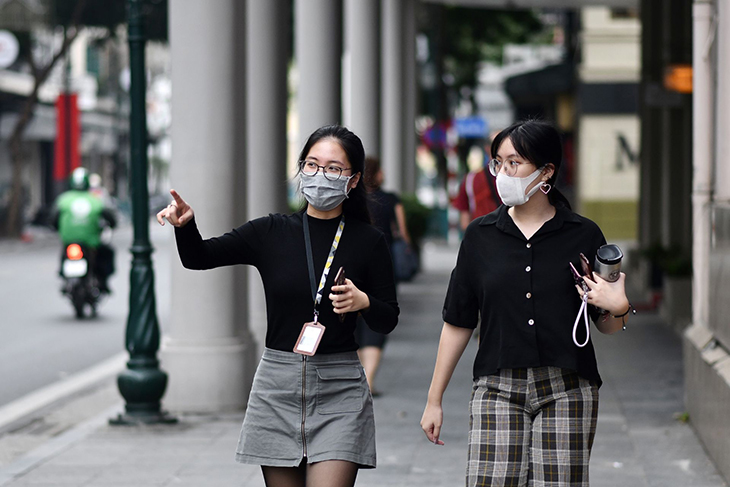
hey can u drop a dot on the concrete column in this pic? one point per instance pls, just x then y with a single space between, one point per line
650 194
702 160
267 56
722 168
361 72
410 92
206 348
392 93
318 50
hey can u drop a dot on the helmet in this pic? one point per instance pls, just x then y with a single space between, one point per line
79 179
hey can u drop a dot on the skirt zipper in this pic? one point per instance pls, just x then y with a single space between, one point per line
304 404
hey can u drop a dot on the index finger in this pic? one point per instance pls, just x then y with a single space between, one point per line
178 199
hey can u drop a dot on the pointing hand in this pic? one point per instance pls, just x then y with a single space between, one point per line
178 213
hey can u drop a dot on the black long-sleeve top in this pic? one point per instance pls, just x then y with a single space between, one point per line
275 246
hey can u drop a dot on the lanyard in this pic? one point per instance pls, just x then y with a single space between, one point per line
317 291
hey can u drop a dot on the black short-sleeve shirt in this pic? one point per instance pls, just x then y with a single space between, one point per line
275 246
524 291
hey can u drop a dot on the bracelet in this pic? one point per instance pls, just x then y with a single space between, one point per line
627 312
631 310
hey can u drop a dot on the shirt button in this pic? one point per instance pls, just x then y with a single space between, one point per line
528 295
531 322
528 268
529 245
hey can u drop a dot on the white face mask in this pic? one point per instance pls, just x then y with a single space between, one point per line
323 194
511 189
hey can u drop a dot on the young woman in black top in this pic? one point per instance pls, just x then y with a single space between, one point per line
535 398
309 418
389 217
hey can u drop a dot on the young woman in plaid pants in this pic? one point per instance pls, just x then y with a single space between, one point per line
535 397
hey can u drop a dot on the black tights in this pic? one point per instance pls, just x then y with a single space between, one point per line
330 473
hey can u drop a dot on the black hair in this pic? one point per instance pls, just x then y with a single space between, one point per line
355 206
540 143
370 176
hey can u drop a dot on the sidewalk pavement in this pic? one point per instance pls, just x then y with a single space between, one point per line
643 439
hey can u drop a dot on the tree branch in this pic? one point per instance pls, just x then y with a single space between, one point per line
14 220
41 75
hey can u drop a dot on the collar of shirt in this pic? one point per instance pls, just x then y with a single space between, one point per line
504 222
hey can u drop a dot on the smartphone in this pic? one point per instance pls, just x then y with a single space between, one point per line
577 277
586 266
340 277
339 281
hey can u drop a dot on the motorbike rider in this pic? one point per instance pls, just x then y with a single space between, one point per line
79 216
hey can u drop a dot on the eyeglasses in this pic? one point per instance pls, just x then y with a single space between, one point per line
331 171
510 167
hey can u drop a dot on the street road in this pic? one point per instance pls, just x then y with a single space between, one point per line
41 341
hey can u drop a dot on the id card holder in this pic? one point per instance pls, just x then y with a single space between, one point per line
309 338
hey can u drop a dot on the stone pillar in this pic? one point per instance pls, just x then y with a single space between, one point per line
318 49
722 168
361 72
392 93
702 140
410 92
267 56
206 349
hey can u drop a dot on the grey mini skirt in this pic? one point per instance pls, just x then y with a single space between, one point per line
308 408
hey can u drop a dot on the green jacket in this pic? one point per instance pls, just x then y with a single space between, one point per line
78 216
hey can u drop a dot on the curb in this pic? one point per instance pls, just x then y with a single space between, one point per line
21 408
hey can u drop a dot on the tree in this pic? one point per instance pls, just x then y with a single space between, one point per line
72 15
460 39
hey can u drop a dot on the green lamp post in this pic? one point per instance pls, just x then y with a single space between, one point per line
142 384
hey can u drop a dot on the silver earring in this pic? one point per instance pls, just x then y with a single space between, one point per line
545 188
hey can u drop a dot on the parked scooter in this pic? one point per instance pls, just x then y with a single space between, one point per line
80 282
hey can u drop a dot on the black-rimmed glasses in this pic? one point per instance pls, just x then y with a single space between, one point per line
330 171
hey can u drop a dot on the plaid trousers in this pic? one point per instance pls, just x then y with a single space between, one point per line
531 428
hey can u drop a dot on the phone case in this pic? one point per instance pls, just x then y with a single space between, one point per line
339 281
576 275
340 277
586 266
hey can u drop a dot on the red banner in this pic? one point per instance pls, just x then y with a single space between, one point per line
68 135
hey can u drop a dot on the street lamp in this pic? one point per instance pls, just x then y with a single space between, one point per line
142 384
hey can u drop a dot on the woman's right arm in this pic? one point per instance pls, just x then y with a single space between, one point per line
451 346
235 247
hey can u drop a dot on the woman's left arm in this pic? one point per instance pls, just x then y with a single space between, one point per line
611 297
377 302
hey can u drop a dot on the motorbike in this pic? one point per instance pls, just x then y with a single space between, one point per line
80 282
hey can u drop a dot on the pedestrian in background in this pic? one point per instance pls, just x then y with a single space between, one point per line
534 403
309 419
477 195
389 217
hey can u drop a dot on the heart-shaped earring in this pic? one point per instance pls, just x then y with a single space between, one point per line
545 188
